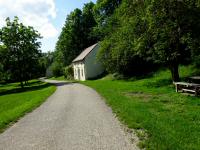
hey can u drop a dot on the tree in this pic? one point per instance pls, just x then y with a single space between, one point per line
173 27
88 24
122 50
76 34
22 49
103 10
4 62
45 61
141 32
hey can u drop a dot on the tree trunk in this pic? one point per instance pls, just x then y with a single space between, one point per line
175 72
21 84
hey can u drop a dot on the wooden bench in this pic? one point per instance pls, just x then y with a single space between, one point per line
194 79
189 90
187 87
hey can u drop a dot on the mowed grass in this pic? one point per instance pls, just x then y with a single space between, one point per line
16 102
168 120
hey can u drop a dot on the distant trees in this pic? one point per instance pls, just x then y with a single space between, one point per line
45 62
19 51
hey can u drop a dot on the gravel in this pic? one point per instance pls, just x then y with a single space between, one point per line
74 118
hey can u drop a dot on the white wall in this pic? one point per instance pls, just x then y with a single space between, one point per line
79 70
93 67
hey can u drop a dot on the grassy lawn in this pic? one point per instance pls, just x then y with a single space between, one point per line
15 102
168 120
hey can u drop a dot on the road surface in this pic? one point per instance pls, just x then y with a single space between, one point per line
73 118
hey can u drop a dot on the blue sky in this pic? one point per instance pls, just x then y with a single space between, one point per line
46 16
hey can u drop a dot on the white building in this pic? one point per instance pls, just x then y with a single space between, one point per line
86 66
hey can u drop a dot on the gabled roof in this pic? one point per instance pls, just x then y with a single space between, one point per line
84 53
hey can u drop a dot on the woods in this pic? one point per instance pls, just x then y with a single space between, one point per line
135 36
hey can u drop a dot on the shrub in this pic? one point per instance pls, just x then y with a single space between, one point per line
57 69
69 72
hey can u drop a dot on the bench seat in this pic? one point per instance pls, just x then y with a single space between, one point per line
188 90
188 87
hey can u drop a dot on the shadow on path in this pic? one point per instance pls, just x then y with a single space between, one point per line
25 89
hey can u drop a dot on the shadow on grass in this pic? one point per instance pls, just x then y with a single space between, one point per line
25 89
17 85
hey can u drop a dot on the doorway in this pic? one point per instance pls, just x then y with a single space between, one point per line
79 74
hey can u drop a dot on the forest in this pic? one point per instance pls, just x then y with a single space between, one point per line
136 37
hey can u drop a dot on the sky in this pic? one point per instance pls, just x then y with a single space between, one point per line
46 16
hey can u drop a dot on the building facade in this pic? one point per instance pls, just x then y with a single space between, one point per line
86 66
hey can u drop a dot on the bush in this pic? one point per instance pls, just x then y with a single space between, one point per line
49 72
69 72
57 69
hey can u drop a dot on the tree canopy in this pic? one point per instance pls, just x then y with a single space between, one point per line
163 32
135 36
19 50
76 33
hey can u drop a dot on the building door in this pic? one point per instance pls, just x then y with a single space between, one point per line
79 74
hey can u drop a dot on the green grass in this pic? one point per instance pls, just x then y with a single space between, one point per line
171 120
16 102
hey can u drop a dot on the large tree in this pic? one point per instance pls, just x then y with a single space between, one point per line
21 50
103 10
120 50
76 34
173 26
142 31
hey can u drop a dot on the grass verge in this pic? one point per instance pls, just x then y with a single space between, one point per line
16 102
170 120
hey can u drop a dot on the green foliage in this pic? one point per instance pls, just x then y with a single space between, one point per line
169 120
136 36
56 68
142 32
172 30
76 34
122 50
16 102
103 10
45 62
61 78
20 52
69 72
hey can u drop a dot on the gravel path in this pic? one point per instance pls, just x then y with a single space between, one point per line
73 118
